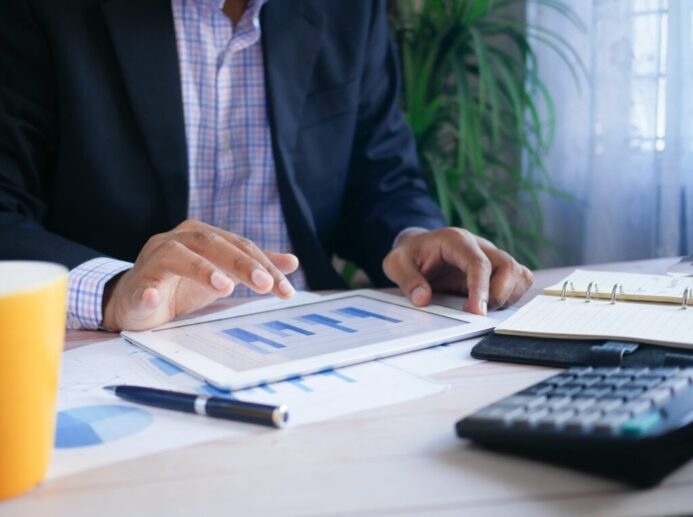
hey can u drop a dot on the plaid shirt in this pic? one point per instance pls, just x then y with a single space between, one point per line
232 182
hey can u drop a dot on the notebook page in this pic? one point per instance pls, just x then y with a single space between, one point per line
548 316
636 286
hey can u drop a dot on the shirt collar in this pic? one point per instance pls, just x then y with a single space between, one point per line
253 6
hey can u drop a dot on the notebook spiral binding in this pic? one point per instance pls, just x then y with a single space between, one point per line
617 289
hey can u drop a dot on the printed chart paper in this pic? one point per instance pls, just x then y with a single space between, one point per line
95 428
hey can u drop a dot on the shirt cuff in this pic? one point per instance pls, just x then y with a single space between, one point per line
408 230
85 287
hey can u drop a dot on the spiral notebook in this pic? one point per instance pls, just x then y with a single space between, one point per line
604 305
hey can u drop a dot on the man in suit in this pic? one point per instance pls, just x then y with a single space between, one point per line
170 152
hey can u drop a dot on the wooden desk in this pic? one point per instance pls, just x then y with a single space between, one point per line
399 460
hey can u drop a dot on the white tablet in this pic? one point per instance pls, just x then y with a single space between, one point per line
254 347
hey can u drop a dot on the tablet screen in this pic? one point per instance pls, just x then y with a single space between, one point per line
293 333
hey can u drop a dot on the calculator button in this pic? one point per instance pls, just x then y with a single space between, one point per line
582 421
637 406
676 385
556 403
579 370
580 404
641 424
613 382
593 392
685 374
610 423
666 371
623 375
607 405
522 401
657 396
637 371
586 380
652 376
624 393
539 389
566 391
494 415
530 418
606 371
560 380
554 420
643 382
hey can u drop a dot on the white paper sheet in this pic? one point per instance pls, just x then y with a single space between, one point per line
95 428
656 323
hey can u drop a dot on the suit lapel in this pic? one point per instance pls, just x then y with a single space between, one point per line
291 38
144 37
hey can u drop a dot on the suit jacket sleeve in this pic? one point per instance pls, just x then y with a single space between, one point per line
28 138
385 192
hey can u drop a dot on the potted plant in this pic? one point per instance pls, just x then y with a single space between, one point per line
481 115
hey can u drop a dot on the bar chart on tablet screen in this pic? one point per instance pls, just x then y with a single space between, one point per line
292 333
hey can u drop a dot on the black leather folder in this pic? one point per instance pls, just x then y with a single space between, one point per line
563 353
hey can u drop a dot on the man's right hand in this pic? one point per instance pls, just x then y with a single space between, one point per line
188 268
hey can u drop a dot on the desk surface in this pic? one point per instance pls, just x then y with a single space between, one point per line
398 460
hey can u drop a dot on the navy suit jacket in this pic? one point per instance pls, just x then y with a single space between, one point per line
92 138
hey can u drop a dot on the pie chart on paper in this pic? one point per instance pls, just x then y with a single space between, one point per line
85 426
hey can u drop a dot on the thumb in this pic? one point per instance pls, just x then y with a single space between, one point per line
401 269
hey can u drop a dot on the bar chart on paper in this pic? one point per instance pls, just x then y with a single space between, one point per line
277 336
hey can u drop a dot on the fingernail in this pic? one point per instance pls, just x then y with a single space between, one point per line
418 295
261 279
286 288
220 281
484 307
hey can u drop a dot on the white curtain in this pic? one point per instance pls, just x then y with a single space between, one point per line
624 138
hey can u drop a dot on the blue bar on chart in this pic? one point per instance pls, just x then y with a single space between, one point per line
165 367
216 392
284 329
360 313
328 322
266 387
249 339
338 374
298 382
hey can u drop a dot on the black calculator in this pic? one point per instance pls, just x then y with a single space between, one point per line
632 424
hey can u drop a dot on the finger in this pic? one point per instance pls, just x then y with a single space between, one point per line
263 278
462 250
526 281
174 258
503 283
507 274
281 285
286 262
234 261
399 266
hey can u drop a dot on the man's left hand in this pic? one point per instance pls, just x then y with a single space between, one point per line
456 261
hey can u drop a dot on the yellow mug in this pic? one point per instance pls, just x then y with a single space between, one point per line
32 332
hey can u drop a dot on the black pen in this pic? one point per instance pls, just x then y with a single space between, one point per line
217 407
